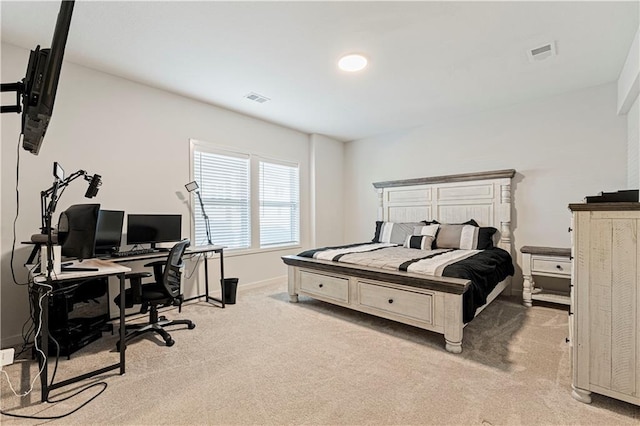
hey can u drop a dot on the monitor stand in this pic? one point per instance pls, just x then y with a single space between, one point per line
158 249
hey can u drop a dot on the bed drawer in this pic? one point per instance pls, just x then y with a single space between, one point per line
335 288
558 266
399 302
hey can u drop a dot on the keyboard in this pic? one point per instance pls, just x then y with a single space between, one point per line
135 252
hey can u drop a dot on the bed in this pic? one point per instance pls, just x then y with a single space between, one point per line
441 253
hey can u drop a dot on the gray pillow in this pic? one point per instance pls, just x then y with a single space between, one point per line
457 237
394 232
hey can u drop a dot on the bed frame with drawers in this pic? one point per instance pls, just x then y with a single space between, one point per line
428 302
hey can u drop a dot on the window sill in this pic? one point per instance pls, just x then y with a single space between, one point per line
245 252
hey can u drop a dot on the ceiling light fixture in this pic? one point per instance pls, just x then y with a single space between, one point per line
352 63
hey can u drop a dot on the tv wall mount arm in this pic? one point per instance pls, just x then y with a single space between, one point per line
19 88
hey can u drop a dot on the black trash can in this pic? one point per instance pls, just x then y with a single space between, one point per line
230 288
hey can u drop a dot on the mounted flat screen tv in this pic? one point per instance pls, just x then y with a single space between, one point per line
40 84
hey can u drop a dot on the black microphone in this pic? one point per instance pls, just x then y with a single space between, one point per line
96 181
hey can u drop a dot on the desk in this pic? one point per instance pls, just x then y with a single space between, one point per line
104 268
204 250
190 251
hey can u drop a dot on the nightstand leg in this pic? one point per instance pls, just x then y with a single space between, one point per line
527 288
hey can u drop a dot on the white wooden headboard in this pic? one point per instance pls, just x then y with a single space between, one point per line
484 197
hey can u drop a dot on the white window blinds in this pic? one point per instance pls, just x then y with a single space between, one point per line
224 187
279 204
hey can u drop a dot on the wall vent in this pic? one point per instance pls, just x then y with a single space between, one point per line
540 53
252 96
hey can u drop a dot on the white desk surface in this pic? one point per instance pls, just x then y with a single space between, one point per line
203 249
105 267
164 254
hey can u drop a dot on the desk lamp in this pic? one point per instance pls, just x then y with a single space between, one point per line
191 187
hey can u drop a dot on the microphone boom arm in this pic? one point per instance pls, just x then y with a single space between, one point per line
47 211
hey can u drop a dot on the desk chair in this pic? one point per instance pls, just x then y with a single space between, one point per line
165 291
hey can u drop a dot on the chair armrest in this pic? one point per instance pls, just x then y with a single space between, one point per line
134 275
135 278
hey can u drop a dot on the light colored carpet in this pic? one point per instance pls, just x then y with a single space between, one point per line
267 361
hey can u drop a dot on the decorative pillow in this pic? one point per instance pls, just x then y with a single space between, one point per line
469 222
422 242
430 230
394 232
457 237
485 237
485 234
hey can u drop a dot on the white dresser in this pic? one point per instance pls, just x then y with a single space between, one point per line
605 296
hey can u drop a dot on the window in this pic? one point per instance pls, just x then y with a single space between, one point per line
245 212
279 205
224 188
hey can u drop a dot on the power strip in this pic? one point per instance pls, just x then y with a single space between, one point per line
6 357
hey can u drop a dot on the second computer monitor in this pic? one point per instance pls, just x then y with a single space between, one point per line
109 231
153 228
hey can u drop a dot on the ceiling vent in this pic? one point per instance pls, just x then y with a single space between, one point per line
252 96
542 52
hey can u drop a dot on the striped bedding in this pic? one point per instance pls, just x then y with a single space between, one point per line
484 268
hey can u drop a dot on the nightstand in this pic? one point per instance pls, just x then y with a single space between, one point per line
547 262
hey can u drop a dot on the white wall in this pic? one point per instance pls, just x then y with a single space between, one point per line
633 146
562 148
327 207
628 91
137 138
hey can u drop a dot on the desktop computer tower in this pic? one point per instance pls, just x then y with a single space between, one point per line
78 314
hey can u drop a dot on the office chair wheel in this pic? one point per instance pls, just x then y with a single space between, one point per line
191 326
170 342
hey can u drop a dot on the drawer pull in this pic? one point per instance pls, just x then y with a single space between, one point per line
320 285
390 300
559 267
566 339
570 229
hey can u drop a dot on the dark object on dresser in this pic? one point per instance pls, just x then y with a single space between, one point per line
622 196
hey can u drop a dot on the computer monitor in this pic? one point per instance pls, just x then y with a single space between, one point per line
77 231
109 231
153 228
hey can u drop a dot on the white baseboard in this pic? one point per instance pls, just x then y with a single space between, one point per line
246 286
11 341
281 279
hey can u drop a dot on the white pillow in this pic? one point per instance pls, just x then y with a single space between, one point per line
429 230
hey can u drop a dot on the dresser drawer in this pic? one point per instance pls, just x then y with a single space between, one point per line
399 302
559 266
335 288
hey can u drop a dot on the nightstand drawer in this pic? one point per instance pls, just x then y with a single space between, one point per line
335 288
399 302
560 266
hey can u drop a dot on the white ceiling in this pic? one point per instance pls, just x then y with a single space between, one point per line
428 60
